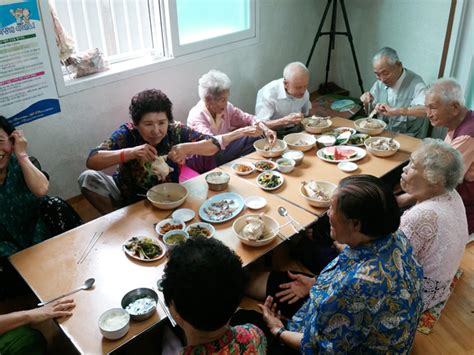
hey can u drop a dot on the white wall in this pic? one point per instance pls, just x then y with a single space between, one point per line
62 142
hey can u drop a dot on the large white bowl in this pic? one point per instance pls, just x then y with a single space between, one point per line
315 129
276 151
114 323
327 186
293 139
168 195
370 131
271 227
379 152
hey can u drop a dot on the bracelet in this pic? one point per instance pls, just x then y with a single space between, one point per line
122 156
278 334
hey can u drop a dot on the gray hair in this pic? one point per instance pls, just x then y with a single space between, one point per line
442 164
448 89
213 84
386 52
292 68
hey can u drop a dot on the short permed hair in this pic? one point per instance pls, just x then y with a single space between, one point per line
213 84
442 164
150 101
6 126
448 89
205 281
369 200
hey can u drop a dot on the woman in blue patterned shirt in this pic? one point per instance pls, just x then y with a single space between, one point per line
152 137
368 299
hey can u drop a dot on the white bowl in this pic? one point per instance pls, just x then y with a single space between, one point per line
178 233
300 141
269 165
347 166
277 149
271 228
114 323
168 195
327 140
383 153
308 124
269 174
295 155
367 130
170 221
202 225
327 187
217 181
238 168
286 165
255 202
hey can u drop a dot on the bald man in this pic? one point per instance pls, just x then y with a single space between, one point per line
285 99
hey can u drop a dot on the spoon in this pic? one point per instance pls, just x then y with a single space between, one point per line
284 213
87 285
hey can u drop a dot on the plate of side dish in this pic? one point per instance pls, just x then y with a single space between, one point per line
144 248
221 208
336 154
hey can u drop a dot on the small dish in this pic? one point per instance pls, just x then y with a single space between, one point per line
255 202
285 165
296 155
175 237
114 323
144 248
200 229
217 181
326 140
183 214
347 166
270 180
168 224
243 168
263 165
140 303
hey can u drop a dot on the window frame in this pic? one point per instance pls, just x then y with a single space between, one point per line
127 69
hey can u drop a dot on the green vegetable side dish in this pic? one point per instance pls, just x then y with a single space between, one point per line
144 248
269 180
358 139
198 231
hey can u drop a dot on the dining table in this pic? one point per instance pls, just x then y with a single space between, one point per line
58 265
95 249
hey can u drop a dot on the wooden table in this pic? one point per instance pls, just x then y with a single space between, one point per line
50 268
316 169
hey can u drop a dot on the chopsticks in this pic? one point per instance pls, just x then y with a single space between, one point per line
167 312
89 247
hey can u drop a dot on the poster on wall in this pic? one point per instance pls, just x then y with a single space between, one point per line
27 90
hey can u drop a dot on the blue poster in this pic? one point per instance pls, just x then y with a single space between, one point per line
27 90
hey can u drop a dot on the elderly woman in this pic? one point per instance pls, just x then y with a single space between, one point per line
368 299
27 215
212 273
148 151
436 226
214 115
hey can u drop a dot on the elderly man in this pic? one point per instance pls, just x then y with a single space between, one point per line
445 108
398 95
286 97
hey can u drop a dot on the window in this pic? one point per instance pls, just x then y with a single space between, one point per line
136 33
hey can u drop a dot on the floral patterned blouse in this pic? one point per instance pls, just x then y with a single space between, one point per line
244 339
134 177
20 222
366 301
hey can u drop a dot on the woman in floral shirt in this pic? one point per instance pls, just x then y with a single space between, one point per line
134 147
203 284
368 299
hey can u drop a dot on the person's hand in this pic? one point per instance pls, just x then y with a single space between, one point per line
250 131
19 142
296 289
57 309
387 110
144 152
294 118
178 154
271 315
271 136
366 98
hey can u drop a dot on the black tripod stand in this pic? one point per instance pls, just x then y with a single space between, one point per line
332 38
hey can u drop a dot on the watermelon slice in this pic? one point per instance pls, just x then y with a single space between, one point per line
334 153
329 153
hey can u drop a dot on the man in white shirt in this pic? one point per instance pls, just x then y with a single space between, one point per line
285 99
398 95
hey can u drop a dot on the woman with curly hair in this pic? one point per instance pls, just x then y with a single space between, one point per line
148 151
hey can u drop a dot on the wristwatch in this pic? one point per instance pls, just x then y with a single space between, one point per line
278 334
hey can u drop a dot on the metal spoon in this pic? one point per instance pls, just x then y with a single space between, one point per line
87 285
284 213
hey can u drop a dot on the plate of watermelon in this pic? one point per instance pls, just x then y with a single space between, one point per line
336 154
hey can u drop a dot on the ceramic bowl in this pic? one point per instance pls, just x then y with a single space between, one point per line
285 165
168 195
295 155
271 229
316 125
300 141
201 229
114 323
217 181
383 153
262 147
175 237
140 303
378 126
327 187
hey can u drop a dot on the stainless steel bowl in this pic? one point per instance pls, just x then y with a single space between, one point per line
134 296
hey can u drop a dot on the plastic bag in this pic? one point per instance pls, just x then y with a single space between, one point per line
87 63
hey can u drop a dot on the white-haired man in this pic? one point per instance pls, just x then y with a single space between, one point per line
397 95
285 99
445 108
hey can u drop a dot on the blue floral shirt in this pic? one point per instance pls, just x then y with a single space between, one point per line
367 300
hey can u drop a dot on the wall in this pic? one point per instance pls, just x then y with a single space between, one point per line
62 141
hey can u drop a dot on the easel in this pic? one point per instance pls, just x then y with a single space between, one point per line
332 38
